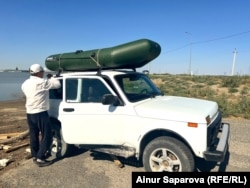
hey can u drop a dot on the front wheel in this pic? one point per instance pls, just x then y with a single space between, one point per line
167 154
59 147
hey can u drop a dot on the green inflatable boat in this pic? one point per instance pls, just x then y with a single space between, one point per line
130 55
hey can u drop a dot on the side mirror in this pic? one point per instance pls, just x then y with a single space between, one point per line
109 99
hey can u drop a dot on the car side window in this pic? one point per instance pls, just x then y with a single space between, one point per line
93 90
71 90
56 93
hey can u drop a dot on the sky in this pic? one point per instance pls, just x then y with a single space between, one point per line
201 37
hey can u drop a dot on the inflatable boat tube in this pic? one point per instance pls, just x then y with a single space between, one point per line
134 54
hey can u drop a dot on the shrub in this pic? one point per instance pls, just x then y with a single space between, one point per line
233 102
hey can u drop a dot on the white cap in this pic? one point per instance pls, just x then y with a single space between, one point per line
35 68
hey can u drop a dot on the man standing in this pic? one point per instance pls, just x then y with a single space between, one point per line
36 90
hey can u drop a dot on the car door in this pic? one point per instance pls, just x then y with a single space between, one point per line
84 119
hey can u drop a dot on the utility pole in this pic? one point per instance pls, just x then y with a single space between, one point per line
190 54
234 58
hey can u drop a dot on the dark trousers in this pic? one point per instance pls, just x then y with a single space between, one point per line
39 123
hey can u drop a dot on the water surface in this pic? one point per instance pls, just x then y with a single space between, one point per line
10 85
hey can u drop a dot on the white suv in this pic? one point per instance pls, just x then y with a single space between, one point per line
122 112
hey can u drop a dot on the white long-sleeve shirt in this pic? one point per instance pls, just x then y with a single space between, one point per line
36 91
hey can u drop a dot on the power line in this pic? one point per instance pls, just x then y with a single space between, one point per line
221 38
175 49
210 40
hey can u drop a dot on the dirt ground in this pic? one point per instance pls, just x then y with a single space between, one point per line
13 120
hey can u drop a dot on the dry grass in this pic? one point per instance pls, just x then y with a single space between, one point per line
232 93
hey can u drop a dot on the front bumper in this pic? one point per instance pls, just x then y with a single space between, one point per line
218 154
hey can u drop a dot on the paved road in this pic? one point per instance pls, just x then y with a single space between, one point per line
90 170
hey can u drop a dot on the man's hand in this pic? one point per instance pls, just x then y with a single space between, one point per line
49 76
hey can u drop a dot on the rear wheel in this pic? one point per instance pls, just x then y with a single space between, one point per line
59 147
167 154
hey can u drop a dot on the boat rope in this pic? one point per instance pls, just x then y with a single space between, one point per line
96 61
59 61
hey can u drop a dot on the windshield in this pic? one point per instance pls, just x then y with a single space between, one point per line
137 87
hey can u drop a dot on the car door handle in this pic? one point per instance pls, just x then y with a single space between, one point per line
68 109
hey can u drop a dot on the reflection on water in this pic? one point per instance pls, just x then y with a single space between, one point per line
10 85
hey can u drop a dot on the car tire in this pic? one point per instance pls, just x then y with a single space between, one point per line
167 154
59 148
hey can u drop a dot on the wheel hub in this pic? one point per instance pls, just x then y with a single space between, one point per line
165 163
